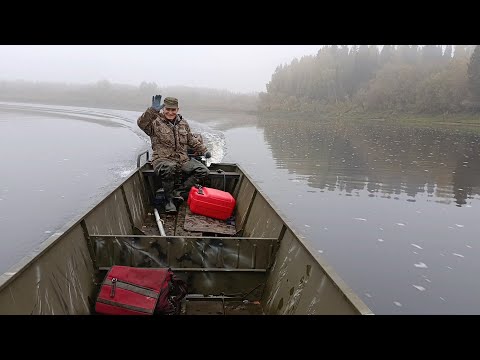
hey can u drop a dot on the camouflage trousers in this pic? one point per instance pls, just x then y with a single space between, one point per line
167 171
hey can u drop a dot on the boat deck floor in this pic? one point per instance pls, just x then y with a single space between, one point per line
184 223
191 306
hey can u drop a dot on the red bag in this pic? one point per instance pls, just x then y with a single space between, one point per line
140 291
210 202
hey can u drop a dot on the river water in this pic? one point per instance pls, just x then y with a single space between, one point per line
393 209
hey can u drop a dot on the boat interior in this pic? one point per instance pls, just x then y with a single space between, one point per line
225 270
253 263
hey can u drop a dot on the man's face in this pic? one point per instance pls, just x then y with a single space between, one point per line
170 113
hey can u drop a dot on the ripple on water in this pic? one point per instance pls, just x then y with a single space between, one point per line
418 287
421 265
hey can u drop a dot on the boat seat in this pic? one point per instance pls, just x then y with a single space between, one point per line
213 174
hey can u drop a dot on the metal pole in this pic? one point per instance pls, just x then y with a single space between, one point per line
159 222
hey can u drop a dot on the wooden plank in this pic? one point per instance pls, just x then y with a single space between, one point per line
200 223
180 230
243 308
199 307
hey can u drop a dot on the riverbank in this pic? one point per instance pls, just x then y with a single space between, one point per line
470 121
130 107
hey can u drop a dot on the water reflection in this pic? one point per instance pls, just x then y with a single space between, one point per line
392 209
383 160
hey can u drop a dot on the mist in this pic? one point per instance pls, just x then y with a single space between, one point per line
236 68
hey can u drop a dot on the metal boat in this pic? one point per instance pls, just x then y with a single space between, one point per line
253 264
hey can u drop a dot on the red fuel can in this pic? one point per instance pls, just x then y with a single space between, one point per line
210 202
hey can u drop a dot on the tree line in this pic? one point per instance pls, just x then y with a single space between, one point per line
430 79
104 94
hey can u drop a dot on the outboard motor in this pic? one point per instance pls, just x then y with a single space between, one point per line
192 153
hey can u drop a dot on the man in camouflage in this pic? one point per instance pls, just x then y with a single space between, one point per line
171 136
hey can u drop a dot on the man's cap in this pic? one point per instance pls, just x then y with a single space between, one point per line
170 102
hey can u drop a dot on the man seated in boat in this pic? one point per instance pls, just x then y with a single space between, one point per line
171 136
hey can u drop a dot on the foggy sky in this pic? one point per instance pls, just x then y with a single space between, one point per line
238 68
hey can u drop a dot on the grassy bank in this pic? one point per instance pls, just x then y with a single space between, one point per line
470 120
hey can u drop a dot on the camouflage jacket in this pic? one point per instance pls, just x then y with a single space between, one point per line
170 139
